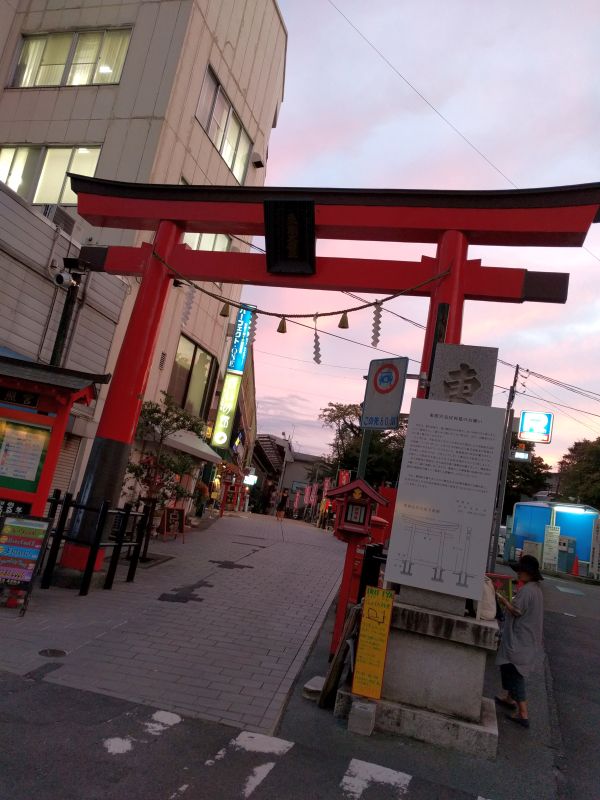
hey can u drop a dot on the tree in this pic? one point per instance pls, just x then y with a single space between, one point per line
579 472
155 468
385 451
524 478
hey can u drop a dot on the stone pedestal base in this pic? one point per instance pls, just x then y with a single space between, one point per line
477 739
436 661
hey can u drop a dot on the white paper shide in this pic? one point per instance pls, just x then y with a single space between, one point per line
446 496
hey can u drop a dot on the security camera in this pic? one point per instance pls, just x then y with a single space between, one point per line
64 278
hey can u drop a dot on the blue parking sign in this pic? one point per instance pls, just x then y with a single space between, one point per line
536 426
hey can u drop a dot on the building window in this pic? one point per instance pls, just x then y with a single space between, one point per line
193 378
82 58
39 174
219 119
209 241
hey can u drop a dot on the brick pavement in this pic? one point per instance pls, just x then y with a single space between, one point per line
219 632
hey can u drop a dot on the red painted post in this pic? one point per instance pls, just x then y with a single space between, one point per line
106 466
451 256
344 595
128 384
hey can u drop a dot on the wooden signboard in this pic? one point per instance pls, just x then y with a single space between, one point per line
22 543
372 642
172 522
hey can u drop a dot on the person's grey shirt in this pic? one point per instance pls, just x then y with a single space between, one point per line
522 636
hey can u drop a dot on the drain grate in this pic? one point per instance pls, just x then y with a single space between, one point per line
50 653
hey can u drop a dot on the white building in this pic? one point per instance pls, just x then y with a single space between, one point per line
156 92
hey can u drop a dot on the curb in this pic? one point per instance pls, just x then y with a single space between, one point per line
560 759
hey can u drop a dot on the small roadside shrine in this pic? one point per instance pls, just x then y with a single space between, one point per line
35 403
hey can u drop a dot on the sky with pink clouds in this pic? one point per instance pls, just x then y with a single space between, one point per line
519 80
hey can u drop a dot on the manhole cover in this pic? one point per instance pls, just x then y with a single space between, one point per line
50 653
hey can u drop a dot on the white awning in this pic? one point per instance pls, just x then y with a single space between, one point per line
189 443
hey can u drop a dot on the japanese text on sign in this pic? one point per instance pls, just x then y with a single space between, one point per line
21 543
226 412
372 642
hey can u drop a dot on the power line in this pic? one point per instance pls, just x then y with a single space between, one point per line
435 110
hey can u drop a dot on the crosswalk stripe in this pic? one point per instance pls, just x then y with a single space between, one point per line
361 774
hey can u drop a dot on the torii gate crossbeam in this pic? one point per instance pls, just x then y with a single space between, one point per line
554 217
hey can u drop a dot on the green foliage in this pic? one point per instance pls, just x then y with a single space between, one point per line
157 470
580 472
524 478
385 452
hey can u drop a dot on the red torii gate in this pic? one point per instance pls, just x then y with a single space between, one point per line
552 217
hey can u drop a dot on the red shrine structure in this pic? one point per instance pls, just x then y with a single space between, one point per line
550 217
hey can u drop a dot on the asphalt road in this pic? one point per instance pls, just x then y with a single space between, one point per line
572 628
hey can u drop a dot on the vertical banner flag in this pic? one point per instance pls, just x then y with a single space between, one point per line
233 379
297 501
343 477
326 486
307 495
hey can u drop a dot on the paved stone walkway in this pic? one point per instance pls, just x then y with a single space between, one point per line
218 632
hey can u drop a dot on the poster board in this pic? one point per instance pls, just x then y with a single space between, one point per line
23 451
372 642
446 495
22 543
172 522
550 558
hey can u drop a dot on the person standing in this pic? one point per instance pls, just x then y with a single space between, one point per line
282 504
521 638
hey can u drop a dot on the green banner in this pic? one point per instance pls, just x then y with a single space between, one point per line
23 451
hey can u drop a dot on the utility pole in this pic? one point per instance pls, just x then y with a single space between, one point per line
66 316
497 519
364 453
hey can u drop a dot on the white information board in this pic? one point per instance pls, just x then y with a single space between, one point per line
446 495
550 557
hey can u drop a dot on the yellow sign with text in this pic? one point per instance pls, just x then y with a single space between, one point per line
372 642
226 411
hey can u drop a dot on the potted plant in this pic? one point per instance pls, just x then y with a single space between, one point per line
156 471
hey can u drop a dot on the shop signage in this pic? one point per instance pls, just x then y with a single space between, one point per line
536 426
372 642
22 453
241 339
14 397
22 541
226 411
8 507
383 395
446 496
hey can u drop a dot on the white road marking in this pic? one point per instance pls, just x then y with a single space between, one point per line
567 590
179 791
259 743
257 776
361 774
565 614
161 721
116 746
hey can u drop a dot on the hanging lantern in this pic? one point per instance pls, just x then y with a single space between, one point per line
282 327
224 312
317 344
376 323
343 323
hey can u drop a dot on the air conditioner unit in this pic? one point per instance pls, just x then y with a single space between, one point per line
60 218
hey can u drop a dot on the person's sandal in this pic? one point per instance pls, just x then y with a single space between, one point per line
524 723
505 703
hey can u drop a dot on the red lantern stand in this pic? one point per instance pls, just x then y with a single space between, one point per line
355 503
35 403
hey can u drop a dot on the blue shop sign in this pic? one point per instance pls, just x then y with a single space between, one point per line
536 426
241 339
